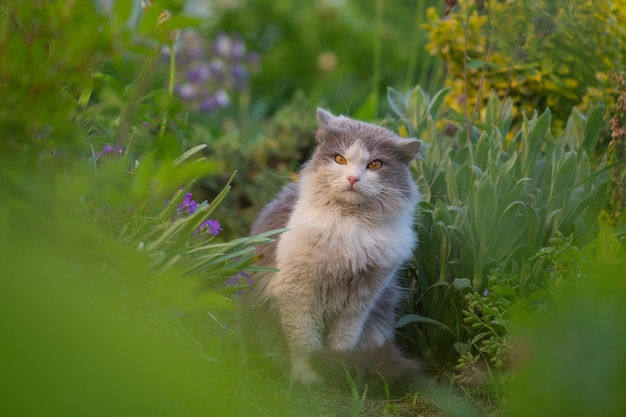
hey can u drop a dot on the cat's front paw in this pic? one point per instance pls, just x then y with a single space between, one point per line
302 373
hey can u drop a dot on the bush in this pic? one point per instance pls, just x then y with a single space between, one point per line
110 271
500 224
553 54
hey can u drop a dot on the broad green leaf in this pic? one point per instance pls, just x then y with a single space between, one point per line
492 112
424 188
419 319
482 150
397 103
593 128
564 175
416 107
461 284
574 129
436 101
484 207
476 63
122 10
533 140
506 117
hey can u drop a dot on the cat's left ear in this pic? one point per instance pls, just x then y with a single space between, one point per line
409 148
324 118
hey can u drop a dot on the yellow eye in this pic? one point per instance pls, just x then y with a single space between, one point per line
340 160
374 165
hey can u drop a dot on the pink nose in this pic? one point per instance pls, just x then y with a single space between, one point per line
352 179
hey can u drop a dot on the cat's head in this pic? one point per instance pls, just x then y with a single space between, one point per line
361 164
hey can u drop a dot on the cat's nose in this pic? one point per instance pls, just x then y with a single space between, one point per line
352 179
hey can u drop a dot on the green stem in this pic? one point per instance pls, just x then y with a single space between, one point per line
170 88
419 12
128 113
377 39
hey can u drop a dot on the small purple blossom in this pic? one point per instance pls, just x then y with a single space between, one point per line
240 72
240 279
212 226
110 149
186 91
486 293
218 100
237 49
216 69
208 104
222 45
199 74
222 99
188 205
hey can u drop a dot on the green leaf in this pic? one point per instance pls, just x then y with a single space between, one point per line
593 128
492 112
122 10
506 118
574 129
416 109
462 284
482 150
476 63
419 319
436 101
533 134
397 103
484 207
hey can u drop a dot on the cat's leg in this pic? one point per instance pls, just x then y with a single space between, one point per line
379 326
346 329
303 327
368 320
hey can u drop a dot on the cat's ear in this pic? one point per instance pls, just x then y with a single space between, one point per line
324 118
410 147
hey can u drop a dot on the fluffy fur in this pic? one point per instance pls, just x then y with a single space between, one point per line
331 305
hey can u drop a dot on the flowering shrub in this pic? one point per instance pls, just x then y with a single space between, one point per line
209 73
541 54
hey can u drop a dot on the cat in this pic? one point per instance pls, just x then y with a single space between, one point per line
349 220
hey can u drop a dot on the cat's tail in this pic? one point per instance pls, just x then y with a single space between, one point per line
384 370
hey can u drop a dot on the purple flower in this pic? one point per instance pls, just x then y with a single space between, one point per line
216 69
222 99
188 205
238 49
240 72
236 281
486 292
207 104
212 226
110 149
186 91
253 58
222 45
199 74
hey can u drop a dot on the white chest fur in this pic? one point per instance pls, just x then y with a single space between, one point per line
344 243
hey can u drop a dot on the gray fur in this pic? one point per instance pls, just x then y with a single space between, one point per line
336 289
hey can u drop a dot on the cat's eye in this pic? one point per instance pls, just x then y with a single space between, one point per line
374 165
341 160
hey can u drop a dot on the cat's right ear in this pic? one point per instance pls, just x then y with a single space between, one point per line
324 118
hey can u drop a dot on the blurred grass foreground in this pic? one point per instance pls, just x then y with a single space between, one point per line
116 278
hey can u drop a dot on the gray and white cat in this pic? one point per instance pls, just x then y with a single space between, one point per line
350 228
